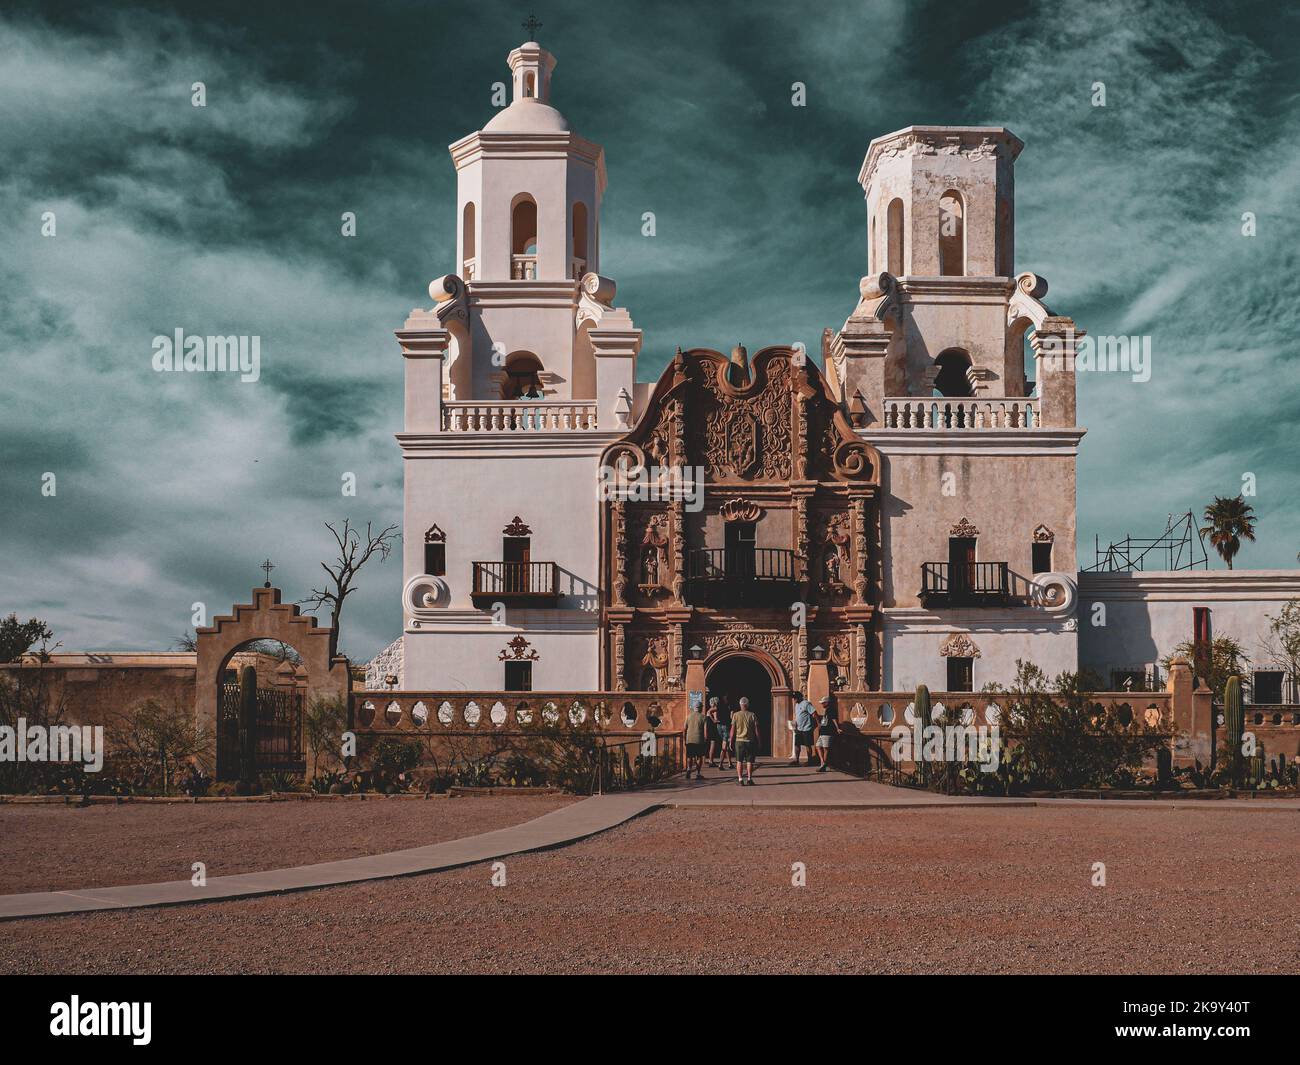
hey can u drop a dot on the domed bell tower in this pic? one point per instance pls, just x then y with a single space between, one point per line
528 210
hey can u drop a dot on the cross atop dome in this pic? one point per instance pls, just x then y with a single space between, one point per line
532 26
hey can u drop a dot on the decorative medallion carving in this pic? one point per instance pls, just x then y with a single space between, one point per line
435 535
959 645
1044 535
518 650
517 528
740 509
964 529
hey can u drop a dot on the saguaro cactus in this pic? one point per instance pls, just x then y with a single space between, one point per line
921 708
1234 723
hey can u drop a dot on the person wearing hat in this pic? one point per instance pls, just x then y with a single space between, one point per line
827 727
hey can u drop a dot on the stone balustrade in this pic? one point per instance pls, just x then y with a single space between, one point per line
518 416
877 713
472 712
920 413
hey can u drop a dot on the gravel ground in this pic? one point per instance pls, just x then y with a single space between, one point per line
709 890
54 848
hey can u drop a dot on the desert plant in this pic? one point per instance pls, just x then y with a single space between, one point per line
391 760
321 783
1280 641
156 741
1234 724
28 696
195 782
1228 520
281 780
323 725
1214 663
1063 739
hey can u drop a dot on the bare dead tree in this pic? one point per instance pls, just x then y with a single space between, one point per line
354 551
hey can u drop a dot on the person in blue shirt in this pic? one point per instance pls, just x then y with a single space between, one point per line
805 717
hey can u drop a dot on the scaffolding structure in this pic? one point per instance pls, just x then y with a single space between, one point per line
1181 546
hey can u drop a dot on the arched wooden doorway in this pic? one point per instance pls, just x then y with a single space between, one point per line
733 674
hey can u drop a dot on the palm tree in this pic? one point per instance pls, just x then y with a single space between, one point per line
1228 519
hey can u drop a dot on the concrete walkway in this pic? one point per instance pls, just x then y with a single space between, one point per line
566 825
776 785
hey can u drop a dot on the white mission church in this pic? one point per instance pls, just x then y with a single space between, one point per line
911 486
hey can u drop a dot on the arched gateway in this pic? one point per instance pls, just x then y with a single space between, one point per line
266 618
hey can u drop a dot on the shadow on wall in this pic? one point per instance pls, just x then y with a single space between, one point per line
1115 645
577 592
891 507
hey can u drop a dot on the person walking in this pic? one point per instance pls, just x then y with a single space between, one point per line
697 726
744 738
805 717
719 726
827 729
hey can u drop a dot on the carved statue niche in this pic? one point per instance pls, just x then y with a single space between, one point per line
654 556
836 562
653 661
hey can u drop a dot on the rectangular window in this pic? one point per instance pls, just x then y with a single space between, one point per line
435 560
1042 558
961 674
1268 686
519 676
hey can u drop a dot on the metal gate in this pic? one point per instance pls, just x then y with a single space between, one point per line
277 731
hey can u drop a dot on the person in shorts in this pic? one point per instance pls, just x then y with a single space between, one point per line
744 738
697 732
827 729
805 718
719 726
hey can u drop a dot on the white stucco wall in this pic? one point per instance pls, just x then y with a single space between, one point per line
472 485
911 639
1147 615
461 651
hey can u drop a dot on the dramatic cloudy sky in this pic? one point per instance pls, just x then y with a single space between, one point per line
171 488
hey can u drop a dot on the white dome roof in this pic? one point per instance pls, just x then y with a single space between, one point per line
527 116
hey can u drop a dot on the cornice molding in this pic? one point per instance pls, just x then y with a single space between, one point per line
978 142
1177 585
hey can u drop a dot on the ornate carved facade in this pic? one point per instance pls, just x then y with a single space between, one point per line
774 553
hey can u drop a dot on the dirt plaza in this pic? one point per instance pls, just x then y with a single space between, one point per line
717 889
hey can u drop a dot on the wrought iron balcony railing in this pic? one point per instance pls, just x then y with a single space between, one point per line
741 564
965 584
533 583
733 576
